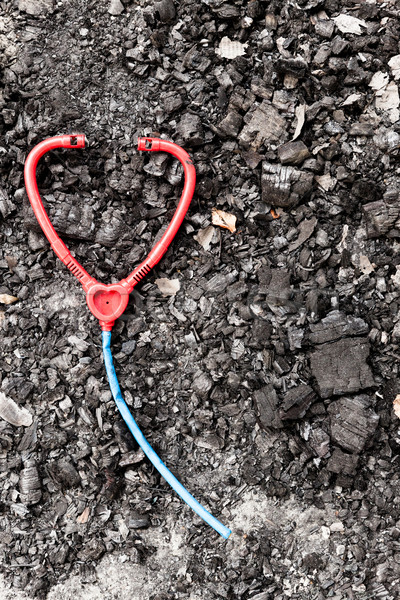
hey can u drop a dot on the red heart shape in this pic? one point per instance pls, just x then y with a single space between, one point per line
107 302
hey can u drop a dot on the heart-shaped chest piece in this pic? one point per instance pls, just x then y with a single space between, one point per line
108 302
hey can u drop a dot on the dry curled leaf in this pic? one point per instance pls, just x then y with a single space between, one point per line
300 115
7 299
84 516
223 219
388 99
12 413
349 24
168 287
229 49
394 64
396 406
205 236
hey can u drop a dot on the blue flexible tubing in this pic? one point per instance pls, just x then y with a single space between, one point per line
147 449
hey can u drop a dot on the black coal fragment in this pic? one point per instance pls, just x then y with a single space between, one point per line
353 422
64 472
341 367
337 325
284 186
296 402
340 462
266 402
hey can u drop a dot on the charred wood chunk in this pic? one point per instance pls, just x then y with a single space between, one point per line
166 10
292 66
29 483
297 401
6 206
293 153
113 228
383 216
60 555
226 11
69 215
264 124
93 550
231 124
284 186
65 473
319 441
190 130
337 325
340 462
266 401
38 8
353 423
341 367
362 129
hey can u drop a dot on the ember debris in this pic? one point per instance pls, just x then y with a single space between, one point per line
262 379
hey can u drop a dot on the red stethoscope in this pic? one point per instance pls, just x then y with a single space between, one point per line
108 301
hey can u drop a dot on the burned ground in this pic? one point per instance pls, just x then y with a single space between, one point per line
267 382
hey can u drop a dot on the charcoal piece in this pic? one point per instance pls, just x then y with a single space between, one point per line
52 437
172 102
236 291
340 462
325 28
306 229
242 99
29 483
292 66
337 325
157 164
281 365
128 347
231 124
362 129
382 217
341 367
293 153
275 284
87 573
29 439
319 441
202 384
92 550
340 46
116 7
263 125
260 333
284 186
190 130
112 228
166 10
36 8
353 423
65 473
69 215
6 206
251 158
226 10
297 401
136 326
60 555
266 402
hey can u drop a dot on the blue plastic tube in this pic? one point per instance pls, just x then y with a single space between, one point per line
147 449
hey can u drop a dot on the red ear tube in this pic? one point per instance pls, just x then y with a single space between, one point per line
108 302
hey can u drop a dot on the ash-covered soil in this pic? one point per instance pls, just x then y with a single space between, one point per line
266 383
